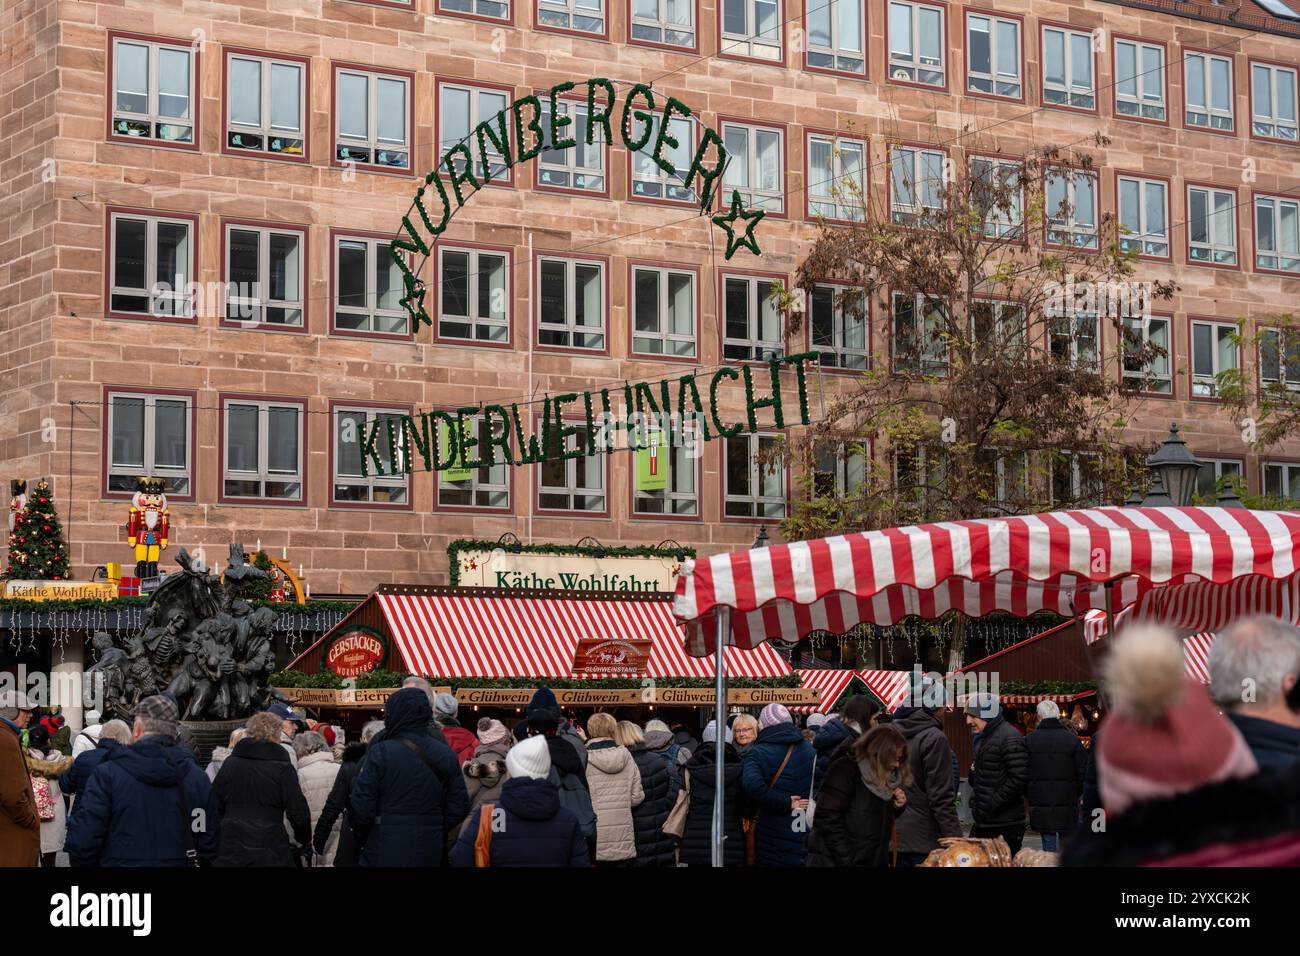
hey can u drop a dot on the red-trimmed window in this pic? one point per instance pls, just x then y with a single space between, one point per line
836 36
153 90
841 469
1152 377
578 16
1071 207
265 275
663 22
993 56
1273 102
837 187
998 190
755 165
752 29
1214 351
838 327
348 485
1215 474
372 118
681 497
1208 91
1074 338
151 261
1144 215
572 484
474 294
916 182
916 43
1279 358
263 455
1140 80
266 110
1277 234
462 107
754 487
571 304
580 167
663 312
1069 79
649 181
919 323
487 488
751 323
149 434
367 287
1212 225
1281 479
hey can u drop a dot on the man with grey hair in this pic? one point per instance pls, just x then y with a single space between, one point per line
112 735
20 826
1001 773
435 730
1254 667
1057 764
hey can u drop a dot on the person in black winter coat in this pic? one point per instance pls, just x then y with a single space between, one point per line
683 738
257 789
339 802
860 799
931 810
1001 774
410 794
781 792
113 734
133 812
653 847
1057 764
568 753
840 732
531 827
700 779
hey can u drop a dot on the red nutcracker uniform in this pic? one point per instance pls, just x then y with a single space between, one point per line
146 528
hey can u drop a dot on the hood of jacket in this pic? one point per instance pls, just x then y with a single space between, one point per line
406 711
707 756
607 756
320 756
219 754
543 710
658 739
831 735
784 734
251 749
147 760
910 721
51 766
353 751
530 799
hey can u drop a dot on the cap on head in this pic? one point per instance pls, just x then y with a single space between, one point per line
530 759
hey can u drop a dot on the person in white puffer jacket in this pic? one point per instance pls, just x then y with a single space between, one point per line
317 769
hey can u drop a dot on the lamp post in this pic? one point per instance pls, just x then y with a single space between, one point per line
1175 470
762 541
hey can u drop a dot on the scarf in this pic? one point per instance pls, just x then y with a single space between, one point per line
885 792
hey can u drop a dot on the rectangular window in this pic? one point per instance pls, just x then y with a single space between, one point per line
1140 80
1207 86
663 312
666 22
752 325
1074 339
751 28
1142 334
264 275
1214 351
367 287
1277 234
1071 208
755 166
580 167
1212 225
267 100
835 36
997 328
1282 480
485 487
920 475
916 43
1075 482
351 426
752 490
649 181
920 324
1215 475
371 113
571 306
838 327
153 91
682 496
1279 358
840 470
151 261
460 110
993 56
580 16
1068 76
1273 102
149 435
489 9
916 182
263 456
1144 216
572 484
474 295
999 191
837 187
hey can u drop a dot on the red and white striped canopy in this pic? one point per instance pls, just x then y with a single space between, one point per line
470 635
1057 561
1205 606
890 686
1196 653
1039 698
830 681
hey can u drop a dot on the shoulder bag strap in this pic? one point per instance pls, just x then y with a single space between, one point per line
410 745
789 752
483 841
187 835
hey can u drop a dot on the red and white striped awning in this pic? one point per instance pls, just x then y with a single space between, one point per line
1039 698
1196 653
831 683
473 635
1204 606
890 686
1057 561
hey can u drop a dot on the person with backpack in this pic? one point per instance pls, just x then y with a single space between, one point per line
778 775
445 713
568 756
659 741
653 846
87 739
525 825
486 771
410 794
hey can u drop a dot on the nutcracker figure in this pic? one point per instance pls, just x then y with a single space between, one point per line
18 500
146 528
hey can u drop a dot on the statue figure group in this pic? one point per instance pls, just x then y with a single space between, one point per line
203 643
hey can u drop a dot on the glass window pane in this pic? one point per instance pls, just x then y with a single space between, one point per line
347 460
552 292
353 105
246 92
128 432
173 82
285 269
173 267
646 292
282 440
129 249
980 49
132 65
587 299
1155 208
681 304
900 30
850 17
286 96
1054 56
1221 83
455 283
492 286
1081 61
241 437
1008 33
352 275
930 29
392 110
170 420
454 117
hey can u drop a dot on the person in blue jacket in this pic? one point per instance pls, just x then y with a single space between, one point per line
410 794
529 826
113 735
136 806
839 733
782 798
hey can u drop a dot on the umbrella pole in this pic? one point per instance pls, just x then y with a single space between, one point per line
1110 609
720 746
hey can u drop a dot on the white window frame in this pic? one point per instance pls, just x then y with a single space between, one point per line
476 8
593 465
148 442
1071 223
1271 125
1285 371
1000 310
1146 242
928 466
1282 261
907 213
1069 94
759 505
570 327
911 63
262 302
475 275
480 483
663 23
1217 469
372 144
647 174
1204 386
842 453
1078 493
683 463
754 345
1214 251
664 335
1148 380
181 295
1075 324
827 198
571 11
153 116
1285 469
374 261
1009 224
840 355
504 175
572 167
1143 103
266 130
751 44
834 56
770 199
263 474
1215 118
372 482
926 359
994 78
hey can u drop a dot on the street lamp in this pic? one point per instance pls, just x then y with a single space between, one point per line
762 541
1175 469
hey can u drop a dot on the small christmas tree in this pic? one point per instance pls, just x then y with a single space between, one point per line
37 551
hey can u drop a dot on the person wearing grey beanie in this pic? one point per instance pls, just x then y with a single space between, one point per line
710 735
1000 777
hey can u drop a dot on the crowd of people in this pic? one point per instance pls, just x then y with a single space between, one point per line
1174 775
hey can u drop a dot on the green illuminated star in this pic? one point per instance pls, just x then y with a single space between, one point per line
728 220
415 293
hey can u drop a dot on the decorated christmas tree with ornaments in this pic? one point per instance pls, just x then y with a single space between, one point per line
37 551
